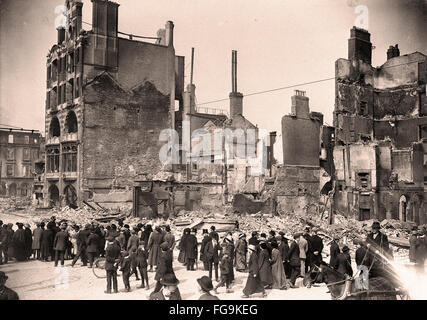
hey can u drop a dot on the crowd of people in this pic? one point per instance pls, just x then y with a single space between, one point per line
273 261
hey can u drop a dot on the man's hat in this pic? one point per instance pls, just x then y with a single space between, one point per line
205 231
27 225
376 225
297 235
278 238
206 283
213 228
254 233
307 229
3 276
252 247
345 249
164 246
242 235
169 279
194 230
168 228
88 226
126 226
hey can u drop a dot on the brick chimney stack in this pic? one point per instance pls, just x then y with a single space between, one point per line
300 105
393 52
360 46
236 98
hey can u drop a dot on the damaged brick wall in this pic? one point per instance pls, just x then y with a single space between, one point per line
121 133
297 189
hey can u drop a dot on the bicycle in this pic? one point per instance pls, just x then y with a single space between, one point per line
98 268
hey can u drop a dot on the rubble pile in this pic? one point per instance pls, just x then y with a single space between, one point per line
14 204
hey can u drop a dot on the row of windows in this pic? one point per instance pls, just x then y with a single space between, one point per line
69 159
64 64
63 93
11 139
26 170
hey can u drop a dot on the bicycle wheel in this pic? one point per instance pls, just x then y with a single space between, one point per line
98 268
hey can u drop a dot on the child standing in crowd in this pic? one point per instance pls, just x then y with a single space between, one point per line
225 267
141 263
125 266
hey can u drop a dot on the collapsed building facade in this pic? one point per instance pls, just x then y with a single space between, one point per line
108 98
380 120
306 159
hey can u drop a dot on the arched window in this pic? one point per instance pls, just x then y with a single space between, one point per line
54 195
71 122
54 128
402 208
12 190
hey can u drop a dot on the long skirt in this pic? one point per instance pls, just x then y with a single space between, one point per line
253 285
241 262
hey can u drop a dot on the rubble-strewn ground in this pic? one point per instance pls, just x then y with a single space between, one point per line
36 280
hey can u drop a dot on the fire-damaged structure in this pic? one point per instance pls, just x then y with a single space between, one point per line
380 120
108 98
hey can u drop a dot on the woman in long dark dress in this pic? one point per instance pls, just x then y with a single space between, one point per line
182 244
253 284
265 273
19 245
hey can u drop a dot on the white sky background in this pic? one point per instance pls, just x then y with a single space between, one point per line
279 43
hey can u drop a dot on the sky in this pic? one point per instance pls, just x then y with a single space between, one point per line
279 42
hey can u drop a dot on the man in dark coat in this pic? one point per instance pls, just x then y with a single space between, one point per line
378 241
213 234
316 248
5 292
127 234
46 243
92 244
82 245
334 252
18 241
211 253
284 249
4 244
142 265
112 258
230 250
205 288
145 235
309 253
191 250
60 244
205 240
170 289
294 259
28 240
165 265
344 262
254 239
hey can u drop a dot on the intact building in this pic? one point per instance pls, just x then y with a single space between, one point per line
19 150
380 116
107 99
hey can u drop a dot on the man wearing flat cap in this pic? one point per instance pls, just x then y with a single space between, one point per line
112 259
5 292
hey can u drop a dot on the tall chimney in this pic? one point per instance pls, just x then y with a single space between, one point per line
393 52
359 45
236 98
300 107
61 34
169 33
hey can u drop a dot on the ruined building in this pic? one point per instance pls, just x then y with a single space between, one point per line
19 151
108 98
380 152
297 187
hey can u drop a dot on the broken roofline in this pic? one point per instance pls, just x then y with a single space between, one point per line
247 146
